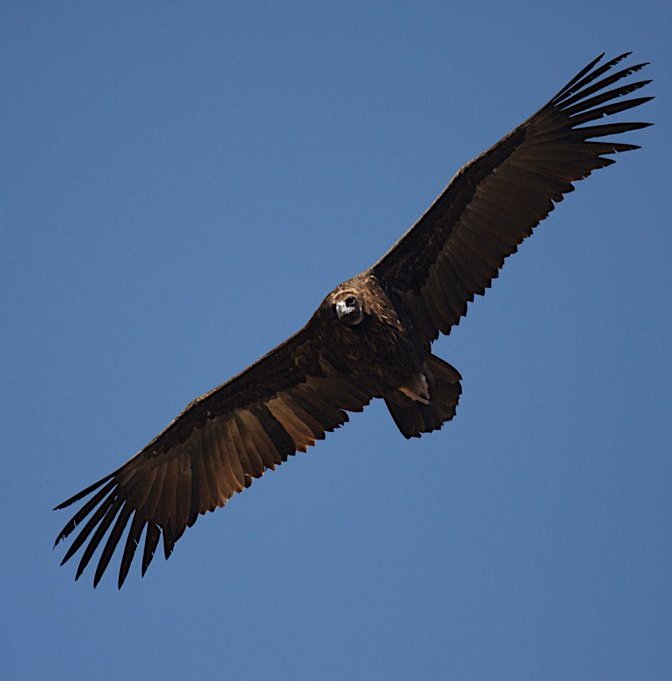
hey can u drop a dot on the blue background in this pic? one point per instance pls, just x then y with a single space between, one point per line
182 184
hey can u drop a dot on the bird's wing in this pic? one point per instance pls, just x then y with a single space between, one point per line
458 246
283 403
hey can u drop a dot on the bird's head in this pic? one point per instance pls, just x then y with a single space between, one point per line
348 307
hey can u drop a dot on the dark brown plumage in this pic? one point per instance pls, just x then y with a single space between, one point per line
370 338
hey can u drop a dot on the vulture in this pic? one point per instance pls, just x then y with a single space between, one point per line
371 337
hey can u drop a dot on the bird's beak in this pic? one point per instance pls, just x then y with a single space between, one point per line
342 309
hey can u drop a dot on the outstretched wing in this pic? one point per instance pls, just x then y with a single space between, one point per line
458 246
283 403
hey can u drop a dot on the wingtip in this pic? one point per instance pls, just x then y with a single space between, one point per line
61 536
619 57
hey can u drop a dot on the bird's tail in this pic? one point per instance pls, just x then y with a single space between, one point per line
412 416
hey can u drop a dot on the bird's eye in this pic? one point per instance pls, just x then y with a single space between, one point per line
351 301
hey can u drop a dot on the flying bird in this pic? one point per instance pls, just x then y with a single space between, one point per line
370 338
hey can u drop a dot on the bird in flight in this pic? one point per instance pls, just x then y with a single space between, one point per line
370 338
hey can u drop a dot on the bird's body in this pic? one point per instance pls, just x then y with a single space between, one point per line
370 337
384 350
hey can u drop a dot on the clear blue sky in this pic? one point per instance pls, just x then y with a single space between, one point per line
182 184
